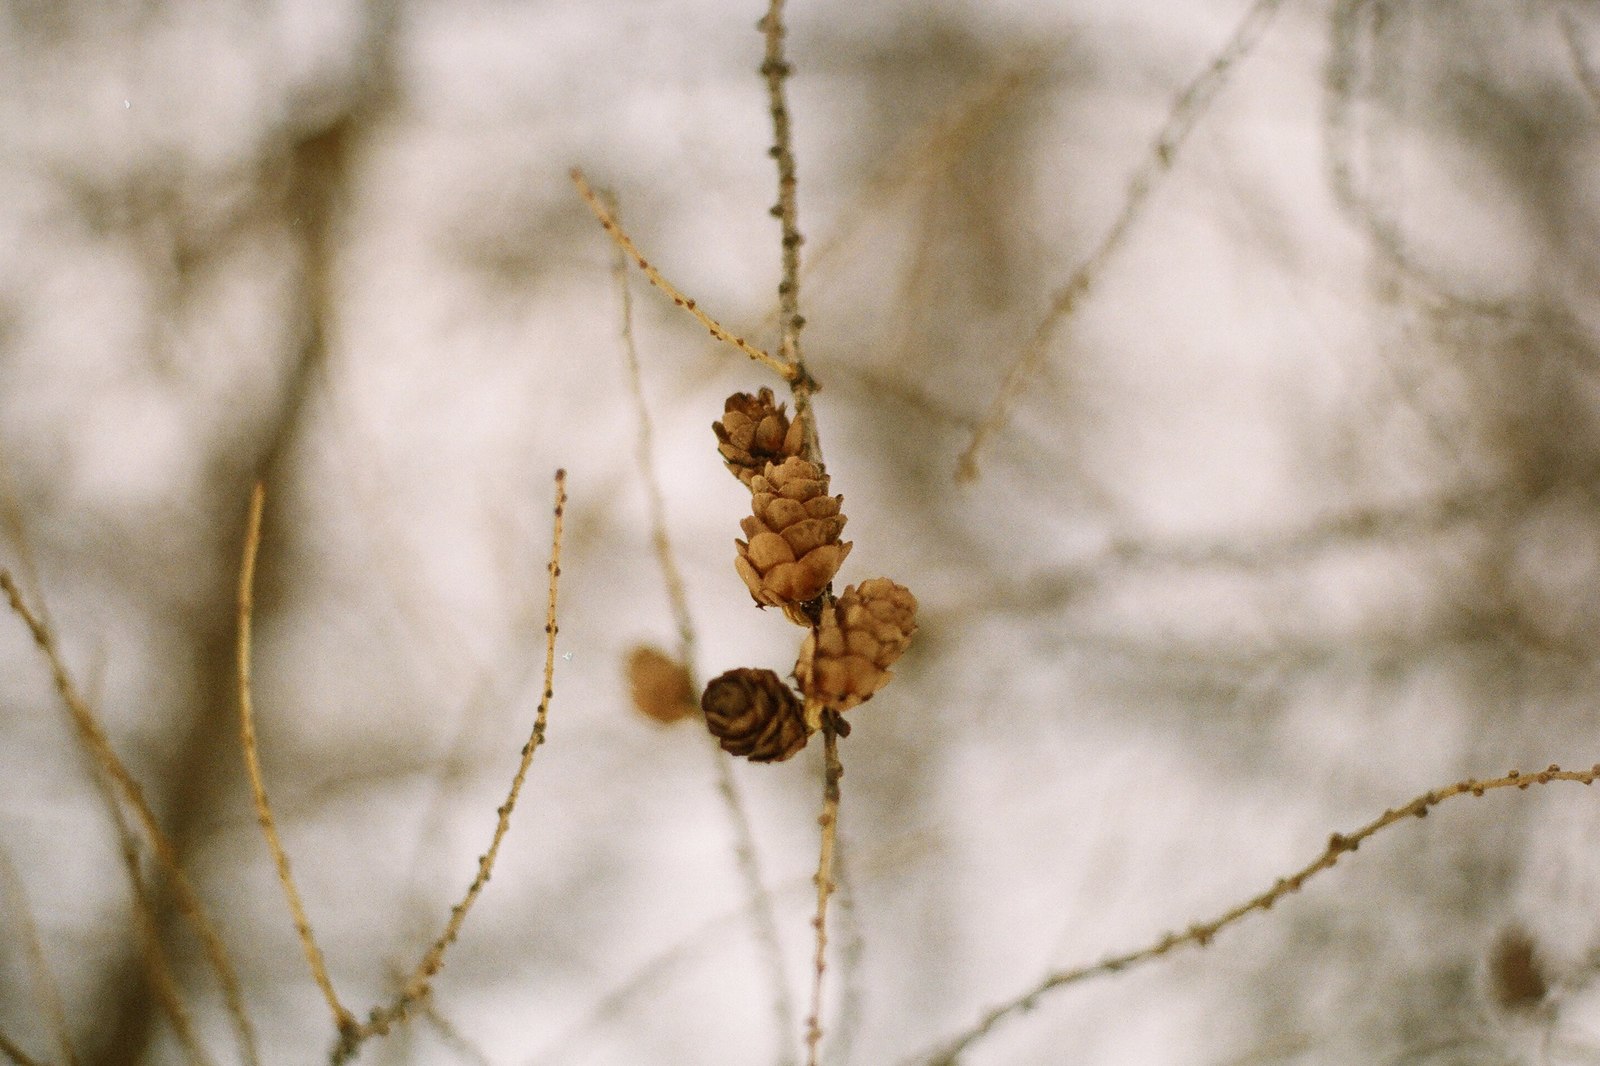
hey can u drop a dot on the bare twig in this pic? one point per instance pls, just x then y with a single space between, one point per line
14 1052
715 328
763 914
1201 934
775 70
832 771
94 739
1580 62
419 984
342 1018
1190 105
45 990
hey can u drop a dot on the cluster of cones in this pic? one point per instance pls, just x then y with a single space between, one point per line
789 561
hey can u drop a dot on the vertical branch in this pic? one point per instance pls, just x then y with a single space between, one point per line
44 982
342 1018
98 745
833 770
776 70
762 912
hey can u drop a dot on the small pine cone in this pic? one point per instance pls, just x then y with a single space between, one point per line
793 550
659 685
753 713
846 659
755 431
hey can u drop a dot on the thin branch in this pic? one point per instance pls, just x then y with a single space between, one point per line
45 990
1201 934
715 328
775 70
342 1018
1187 110
12 1051
1580 62
94 739
763 914
418 986
833 770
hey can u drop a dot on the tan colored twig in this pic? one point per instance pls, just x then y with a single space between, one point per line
763 913
98 745
343 1020
832 771
1201 934
419 984
786 371
775 70
1186 111
14 1052
45 990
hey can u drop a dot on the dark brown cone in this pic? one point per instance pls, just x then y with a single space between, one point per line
753 713
753 432
794 549
659 685
845 660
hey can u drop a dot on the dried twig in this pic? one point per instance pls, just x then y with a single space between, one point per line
94 739
342 1018
763 914
776 70
11 1050
1203 933
45 989
833 770
715 328
419 984
1186 110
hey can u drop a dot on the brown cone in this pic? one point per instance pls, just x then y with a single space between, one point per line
793 550
753 432
845 660
659 685
753 713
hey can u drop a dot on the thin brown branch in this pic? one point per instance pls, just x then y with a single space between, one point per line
832 771
11 1050
95 741
775 70
343 1020
1202 934
419 984
715 328
1190 105
45 990
763 913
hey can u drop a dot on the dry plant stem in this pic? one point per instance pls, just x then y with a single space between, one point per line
1186 111
833 770
45 991
94 739
644 453
1203 933
745 854
775 69
342 1018
10 1050
419 983
715 328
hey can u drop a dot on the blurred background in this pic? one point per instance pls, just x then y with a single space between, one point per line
1294 519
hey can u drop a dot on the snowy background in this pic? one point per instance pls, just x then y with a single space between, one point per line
1296 519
